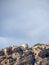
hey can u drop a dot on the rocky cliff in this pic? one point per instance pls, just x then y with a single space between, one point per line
23 55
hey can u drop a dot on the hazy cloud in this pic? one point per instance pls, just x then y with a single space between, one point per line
25 20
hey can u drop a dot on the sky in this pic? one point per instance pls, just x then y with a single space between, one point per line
24 21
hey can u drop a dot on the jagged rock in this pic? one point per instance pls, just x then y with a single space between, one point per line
16 56
39 47
24 55
24 46
1 53
44 53
44 61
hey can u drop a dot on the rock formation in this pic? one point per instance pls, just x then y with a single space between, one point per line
23 55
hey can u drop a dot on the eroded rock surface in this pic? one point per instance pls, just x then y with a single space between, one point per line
23 55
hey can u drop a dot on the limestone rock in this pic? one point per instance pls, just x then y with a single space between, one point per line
23 55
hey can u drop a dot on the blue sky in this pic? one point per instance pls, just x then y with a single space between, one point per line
24 21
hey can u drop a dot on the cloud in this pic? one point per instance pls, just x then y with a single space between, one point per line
26 20
39 30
